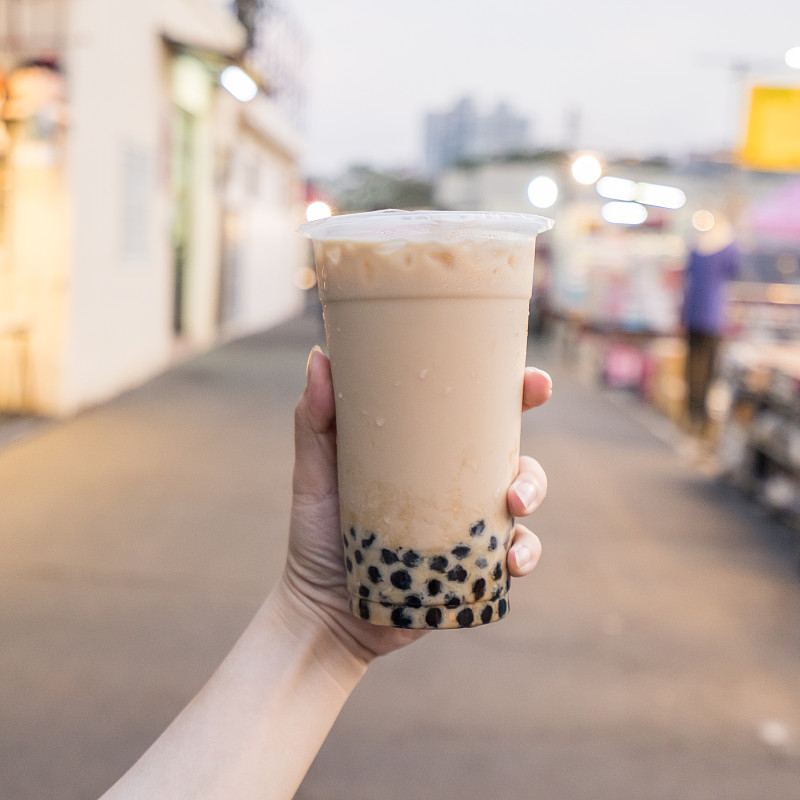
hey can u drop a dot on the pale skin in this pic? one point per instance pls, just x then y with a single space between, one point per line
256 726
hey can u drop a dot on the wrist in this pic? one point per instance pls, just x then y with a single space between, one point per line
315 629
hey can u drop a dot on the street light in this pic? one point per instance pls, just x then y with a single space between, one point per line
236 81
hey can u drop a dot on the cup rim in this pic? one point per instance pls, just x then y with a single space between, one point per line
391 224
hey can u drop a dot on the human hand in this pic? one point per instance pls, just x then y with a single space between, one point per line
314 580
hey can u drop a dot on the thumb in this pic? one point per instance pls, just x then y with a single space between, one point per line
315 431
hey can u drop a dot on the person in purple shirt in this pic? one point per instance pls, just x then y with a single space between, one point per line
712 263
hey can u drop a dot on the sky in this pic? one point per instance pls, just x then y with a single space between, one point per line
644 78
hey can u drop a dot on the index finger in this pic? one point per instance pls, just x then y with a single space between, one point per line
537 387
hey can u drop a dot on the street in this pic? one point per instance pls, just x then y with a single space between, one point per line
654 653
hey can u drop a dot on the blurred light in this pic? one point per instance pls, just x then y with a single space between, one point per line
542 192
317 210
650 194
621 213
586 170
793 57
616 188
238 83
703 220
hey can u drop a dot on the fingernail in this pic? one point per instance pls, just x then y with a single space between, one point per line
544 374
315 349
526 492
522 556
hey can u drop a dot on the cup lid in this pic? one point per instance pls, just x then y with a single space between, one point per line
392 223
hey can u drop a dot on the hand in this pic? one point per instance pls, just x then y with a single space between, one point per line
314 578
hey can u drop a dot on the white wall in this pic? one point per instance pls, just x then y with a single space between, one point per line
120 288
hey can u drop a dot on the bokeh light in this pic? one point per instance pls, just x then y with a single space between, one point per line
621 213
236 81
543 192
318 210
586 169
793 57
703 220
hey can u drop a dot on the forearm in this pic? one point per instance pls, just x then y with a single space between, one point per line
258 723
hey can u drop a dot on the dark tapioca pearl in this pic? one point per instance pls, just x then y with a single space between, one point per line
346 543
400 619
502 607
452 601
508 583
363 590
438 564
388 556
349 564
386 603
486 615
434 587
401 579
359 557
478 528
496 592
492 543
479 588
481 563
352 533
366 543
465 617
434 617
462 551
374 574
413 601
497 572
411 559
457 574
363 609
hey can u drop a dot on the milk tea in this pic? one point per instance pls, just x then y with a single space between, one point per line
427 334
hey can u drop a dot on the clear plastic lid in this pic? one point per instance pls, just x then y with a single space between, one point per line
390 224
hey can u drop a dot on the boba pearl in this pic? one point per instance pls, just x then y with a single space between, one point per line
368 541
401 579
478 528
434 617
417 588
457 574
400 619
465 617
438 564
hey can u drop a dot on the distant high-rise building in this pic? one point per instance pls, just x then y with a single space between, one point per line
463 133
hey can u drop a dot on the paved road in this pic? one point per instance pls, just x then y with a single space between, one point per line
655 653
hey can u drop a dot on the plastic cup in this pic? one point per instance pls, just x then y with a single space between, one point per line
426 318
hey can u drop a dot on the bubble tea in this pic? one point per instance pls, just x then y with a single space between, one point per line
426 320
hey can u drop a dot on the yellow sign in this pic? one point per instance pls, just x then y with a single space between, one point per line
773 129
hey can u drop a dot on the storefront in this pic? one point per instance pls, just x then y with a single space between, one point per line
132 232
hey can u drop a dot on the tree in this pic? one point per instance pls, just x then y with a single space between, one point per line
363 188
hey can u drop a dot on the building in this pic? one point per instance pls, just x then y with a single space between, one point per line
463 134
145 213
